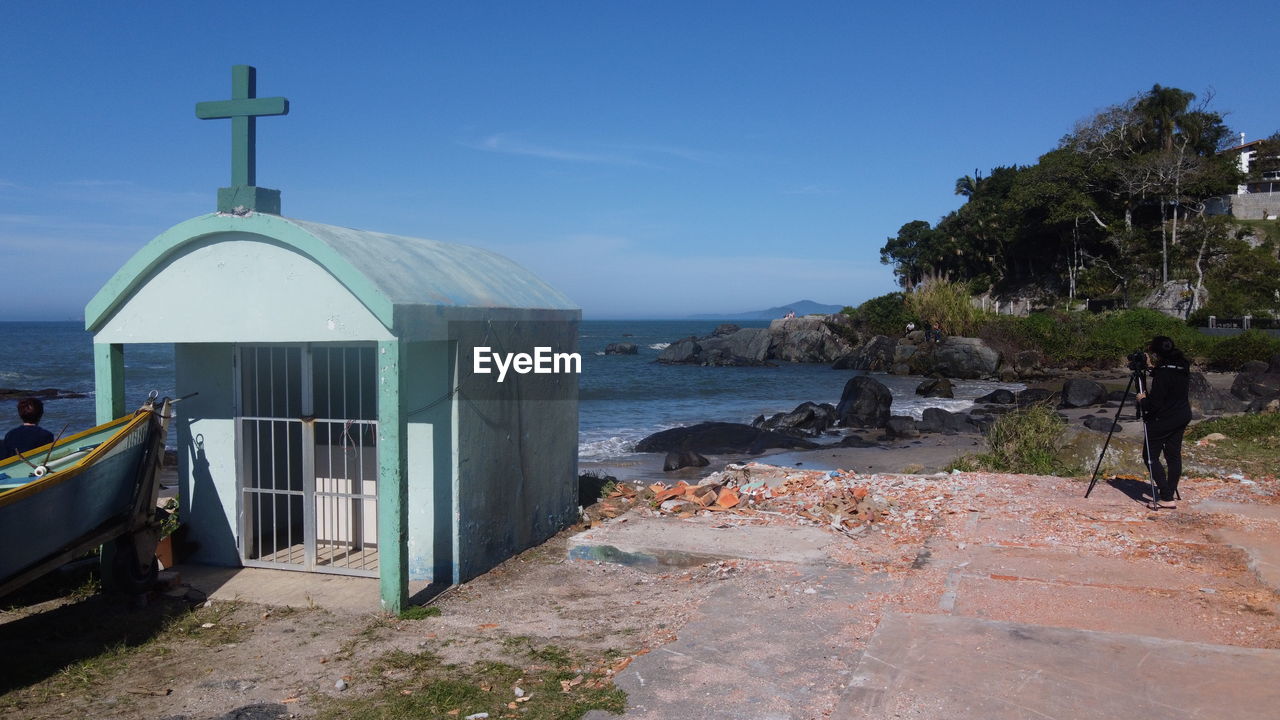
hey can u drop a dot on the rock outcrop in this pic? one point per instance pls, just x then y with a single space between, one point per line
621 348
875 355
961 357
749 346
807 340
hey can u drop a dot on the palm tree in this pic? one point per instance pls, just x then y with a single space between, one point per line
1161 111
969 185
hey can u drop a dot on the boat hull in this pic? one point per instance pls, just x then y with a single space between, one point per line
102 491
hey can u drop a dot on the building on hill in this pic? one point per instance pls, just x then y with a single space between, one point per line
1258 197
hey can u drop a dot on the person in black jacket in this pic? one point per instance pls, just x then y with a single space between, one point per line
1167 411
29 434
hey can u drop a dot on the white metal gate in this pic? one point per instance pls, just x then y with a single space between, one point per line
307 444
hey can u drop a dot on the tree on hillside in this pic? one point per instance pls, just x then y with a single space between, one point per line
969 184
1103 213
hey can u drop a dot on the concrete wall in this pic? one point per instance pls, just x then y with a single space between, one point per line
1246 207
206 439
517 456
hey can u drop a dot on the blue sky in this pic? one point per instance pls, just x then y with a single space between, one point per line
648 159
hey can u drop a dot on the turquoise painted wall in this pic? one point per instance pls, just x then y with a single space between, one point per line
431 467
206 442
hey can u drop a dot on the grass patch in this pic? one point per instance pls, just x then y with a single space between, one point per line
1254 426
1252 445
420 612
1028 440
422 685
223 628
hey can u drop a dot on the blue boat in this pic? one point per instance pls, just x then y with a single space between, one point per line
95 488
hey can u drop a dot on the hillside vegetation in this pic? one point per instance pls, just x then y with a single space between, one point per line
1066 339
1112 212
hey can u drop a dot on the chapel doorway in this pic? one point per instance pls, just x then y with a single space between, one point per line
307 453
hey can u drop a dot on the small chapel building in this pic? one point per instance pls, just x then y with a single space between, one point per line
340 422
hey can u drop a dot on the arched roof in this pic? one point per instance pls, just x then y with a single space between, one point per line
384 272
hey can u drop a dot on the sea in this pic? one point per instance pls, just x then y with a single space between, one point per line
622 398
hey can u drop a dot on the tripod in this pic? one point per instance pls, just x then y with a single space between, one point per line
1137 379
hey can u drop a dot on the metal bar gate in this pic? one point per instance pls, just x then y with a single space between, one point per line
308 460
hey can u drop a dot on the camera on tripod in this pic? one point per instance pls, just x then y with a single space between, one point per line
1138 361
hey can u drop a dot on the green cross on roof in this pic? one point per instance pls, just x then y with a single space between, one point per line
244 108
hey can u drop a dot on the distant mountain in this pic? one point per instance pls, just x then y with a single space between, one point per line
800 307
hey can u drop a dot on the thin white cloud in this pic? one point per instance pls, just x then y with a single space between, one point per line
814 189
626 155
510 145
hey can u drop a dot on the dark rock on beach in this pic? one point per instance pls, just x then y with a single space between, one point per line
1031 396
719 438
1257 384
901 426
1208 400
807 420
1102 424
856 441
622 348
683 459
865 402
936 388
939 420
1078 392
998 397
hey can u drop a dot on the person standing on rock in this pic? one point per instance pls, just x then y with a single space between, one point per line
1166 410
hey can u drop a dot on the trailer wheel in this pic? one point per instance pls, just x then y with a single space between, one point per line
132 576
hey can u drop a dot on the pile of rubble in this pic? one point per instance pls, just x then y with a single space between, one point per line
843 502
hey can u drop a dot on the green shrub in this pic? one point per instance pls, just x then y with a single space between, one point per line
1116 334
1027 440
884 315
1229 353
948 304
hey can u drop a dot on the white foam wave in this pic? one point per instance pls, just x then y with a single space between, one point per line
607 448
659 346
